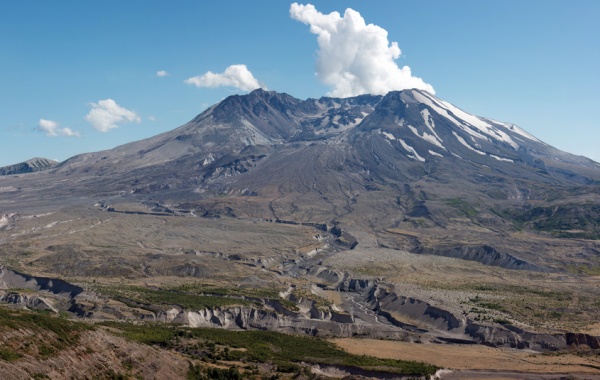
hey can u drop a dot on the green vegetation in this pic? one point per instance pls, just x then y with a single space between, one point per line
198 372
223 291
245 293
143 297
262 347
209 289
492 306
495 193
517 289
39 376
49 334
67 331
547 309
586 270
564 221
9 355
461 205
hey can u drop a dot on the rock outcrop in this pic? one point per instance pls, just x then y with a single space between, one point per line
10 279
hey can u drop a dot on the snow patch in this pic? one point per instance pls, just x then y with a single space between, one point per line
501 158
427 137
435 153
412 152
399 122
431 102
429 122
517 130
388 135
462 141
480 124
473 125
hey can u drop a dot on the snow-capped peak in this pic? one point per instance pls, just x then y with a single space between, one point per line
475 126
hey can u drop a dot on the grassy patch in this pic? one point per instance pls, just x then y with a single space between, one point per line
492 306
586 270
9 355
581 221
223 291
67 331
209 289
139 297
262 347
48 334
461 205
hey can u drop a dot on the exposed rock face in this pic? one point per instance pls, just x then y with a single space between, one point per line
236 317
582 341
448 327
484 254
29 166
509 336
386 303
12 279
314 322
31 302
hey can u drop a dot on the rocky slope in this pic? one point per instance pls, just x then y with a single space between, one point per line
29 166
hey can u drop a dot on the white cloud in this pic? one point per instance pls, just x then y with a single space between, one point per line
353 57
51 129
161 73
106 114
237 76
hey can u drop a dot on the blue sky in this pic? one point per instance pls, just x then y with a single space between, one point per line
533 63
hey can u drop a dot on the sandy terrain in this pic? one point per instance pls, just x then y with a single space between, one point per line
474 357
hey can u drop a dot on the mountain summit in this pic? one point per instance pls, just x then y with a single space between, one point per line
413 126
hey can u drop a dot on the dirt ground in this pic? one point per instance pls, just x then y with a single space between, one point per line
476 357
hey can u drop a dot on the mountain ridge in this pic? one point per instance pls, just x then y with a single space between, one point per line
264 118
32 165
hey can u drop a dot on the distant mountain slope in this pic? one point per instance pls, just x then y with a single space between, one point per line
386 161
33 165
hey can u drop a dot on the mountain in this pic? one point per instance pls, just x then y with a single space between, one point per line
29 166
400 217
411 126
406 160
